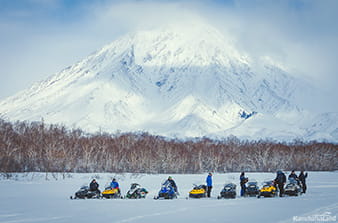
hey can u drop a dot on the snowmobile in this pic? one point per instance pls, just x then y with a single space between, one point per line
252 189
268 190
136 192
198 191
293 188
167 192
229 191
84 192
110 192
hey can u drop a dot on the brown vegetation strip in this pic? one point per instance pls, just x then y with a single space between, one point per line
39 147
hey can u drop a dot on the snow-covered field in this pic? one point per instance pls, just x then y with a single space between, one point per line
32 198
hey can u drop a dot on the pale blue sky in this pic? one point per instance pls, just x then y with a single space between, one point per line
41 37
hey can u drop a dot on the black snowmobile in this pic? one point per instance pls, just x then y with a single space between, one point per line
229 191
167 192
84 193
252 189
136 192
293 188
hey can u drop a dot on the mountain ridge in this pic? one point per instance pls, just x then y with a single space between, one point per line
173 82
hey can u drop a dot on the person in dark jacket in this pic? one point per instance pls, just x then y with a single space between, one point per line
302 178
209 184
172 183
293 175
94 186
243 181
280 181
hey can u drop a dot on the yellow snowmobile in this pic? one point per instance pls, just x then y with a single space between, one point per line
110 192
268 190
198 191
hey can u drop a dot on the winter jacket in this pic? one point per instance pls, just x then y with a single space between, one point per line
172 183
93 186
281 178
114 184
294 176
209 181
302 177
243 180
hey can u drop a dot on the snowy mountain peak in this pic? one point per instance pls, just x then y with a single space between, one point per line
177 45
182 80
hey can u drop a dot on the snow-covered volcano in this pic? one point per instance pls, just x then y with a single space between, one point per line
174 81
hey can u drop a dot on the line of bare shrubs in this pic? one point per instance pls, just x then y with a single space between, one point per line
36 146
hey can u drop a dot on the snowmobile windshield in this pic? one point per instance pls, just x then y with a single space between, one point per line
196 187
230 185
133 186
252 183
292 181
84 187
107 186
166 186
268 183
166 183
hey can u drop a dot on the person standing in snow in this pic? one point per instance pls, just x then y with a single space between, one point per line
209 184
243 181
280 181
302 178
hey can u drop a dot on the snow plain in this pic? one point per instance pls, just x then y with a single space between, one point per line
32 198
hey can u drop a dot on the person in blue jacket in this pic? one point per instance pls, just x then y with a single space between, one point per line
115 185
209 184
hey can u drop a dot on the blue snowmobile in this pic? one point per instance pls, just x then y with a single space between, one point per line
167 192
